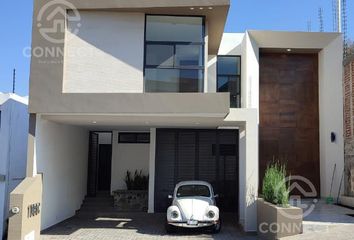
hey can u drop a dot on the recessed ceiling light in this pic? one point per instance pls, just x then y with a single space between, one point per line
192 8
210 8
201 8
288 50
94 122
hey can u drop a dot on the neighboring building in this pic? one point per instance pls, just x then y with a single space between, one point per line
13 149
348 88
181 100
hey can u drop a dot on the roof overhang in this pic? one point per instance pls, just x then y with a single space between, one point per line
296 40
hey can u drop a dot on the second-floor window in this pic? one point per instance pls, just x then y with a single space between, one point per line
229 78
174 54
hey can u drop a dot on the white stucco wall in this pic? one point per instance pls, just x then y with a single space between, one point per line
250 73
106 55
230 45
331 116
127 157
13 151
62 157
240 44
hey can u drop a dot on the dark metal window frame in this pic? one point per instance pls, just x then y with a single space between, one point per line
174 44
229 75
136 138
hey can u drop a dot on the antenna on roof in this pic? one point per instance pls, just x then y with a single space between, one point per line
309 25
320 16
14 80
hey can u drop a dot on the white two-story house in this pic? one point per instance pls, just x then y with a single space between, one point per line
13 149
166 91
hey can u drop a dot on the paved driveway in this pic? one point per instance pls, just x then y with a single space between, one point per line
134 226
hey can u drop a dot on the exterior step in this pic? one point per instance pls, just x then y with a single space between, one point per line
102 203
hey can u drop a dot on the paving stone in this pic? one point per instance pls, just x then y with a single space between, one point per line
135 226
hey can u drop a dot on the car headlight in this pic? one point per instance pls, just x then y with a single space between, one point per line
210 214
174 214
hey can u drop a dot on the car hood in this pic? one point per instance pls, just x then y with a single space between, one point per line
193 208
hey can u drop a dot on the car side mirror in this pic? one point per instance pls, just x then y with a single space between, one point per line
169 196
216 196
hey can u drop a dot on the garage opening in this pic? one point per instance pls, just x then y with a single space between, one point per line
190 154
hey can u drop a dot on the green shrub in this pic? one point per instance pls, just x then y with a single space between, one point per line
137 182
275 189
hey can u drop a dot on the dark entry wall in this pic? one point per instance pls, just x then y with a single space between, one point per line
289 114
208 155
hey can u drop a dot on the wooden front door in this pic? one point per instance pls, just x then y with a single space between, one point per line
289 115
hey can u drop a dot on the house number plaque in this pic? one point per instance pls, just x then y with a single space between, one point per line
33 210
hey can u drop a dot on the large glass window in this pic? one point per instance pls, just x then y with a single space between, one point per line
174 54
229 78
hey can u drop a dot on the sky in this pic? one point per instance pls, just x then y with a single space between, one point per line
290 15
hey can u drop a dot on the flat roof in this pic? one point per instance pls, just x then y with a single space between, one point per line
4 97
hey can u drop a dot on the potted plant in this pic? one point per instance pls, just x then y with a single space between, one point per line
135 198
276 218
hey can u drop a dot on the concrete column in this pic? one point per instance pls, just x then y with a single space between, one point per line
242 177
247 121
252 174
151 208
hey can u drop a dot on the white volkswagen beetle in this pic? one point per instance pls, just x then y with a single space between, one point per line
193 206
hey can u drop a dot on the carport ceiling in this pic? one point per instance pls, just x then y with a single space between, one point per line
113 122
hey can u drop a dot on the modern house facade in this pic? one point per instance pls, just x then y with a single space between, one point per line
168 92
13 149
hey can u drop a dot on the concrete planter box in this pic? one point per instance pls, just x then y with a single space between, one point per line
347 201
131 200
275 222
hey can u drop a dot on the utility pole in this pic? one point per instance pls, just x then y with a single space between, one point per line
339 12
14 80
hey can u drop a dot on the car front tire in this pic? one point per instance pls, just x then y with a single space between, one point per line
217 227
169 228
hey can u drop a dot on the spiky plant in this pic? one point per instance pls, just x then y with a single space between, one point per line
275 189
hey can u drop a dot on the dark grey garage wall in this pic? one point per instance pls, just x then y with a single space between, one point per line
189 154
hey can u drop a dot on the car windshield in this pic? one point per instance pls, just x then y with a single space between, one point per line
193 191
